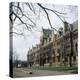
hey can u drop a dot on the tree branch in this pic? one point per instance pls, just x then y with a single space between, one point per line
47 17
16 33
54 11
22 21
31 7
18 7
16 11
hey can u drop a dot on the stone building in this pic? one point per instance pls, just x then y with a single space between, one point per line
42 53
58 49
71 43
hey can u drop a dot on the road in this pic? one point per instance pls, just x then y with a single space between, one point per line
24 72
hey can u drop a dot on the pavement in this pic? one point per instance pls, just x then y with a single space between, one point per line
25 72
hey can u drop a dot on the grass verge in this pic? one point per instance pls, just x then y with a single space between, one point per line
63 68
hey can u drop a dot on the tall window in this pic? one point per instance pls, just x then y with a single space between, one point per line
76 47
58 58
74 58
49 39
53 59
58 51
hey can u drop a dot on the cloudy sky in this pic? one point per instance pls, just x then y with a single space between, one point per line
21 44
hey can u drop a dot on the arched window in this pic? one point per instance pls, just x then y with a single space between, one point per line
76 46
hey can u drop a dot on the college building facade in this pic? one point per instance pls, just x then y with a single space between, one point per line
56 49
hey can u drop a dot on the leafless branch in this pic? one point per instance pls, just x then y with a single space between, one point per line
22 21
31 7
19 10
23 15
54 11
47 17
16 33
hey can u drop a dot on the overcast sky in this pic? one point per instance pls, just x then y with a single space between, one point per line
22 44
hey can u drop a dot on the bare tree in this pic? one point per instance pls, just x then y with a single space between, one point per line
19 12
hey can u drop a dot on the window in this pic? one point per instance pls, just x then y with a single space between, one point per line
49 39
74 58
58 43
75 36
53 59
48 60
66 59
58 51
76 47
53 52
58 58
